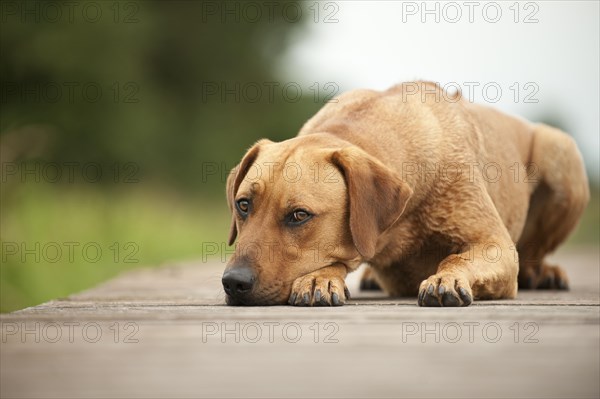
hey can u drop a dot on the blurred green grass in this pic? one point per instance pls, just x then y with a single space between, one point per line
588 231
164 226
159 224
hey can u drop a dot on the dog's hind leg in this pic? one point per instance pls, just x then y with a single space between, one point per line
555 207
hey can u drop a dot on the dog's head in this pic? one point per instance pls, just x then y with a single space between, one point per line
301 205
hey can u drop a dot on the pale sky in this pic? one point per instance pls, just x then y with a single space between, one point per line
555 60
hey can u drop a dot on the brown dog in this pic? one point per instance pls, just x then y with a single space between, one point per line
444 199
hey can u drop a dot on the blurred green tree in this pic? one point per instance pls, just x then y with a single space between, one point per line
176 87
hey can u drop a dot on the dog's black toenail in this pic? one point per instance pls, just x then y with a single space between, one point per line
430 289
305 299
421 296
335 299
293 298
450 300
431 301
546 283
317 295
347 292
465 296
441 290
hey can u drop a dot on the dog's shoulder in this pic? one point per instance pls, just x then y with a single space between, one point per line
353 102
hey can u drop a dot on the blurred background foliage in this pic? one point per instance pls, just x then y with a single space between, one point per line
131 95
162 142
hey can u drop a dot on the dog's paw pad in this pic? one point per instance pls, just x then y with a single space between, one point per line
444 291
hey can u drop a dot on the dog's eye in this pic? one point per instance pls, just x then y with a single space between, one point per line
243 206
299 216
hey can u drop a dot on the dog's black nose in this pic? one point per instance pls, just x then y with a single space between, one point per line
238 281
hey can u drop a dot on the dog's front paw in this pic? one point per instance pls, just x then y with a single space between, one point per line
321 288
445 290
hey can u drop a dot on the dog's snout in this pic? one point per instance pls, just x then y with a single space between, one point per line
238 281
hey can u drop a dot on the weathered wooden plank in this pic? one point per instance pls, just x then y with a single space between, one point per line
166 333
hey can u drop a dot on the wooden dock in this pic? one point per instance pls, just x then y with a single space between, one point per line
165 332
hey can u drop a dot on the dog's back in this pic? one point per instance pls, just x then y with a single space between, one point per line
418 124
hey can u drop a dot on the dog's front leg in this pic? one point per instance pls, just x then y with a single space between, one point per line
485 270
323 287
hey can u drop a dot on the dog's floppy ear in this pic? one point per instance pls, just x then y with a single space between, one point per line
235 178
376 195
